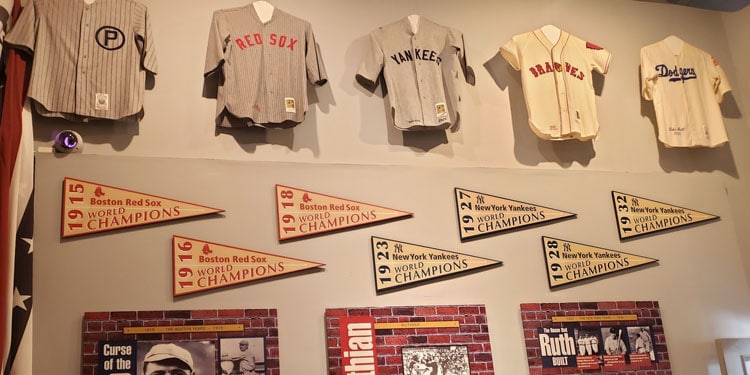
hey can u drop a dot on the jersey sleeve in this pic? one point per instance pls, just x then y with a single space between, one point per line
457 40
648 75
600 58
372 65
509 51
217 49
22 34
145 41
720 82
316 72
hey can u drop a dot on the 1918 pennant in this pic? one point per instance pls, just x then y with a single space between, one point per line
304 213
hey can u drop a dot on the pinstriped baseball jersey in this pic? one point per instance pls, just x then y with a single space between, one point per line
90 60
686 86
557 84
421 72
265 67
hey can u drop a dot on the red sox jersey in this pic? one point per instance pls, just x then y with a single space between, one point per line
421 72
686 87
90 60
265 67
557 84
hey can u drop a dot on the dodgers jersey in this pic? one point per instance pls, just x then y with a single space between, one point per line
557 84
686 86
421 72
90 60
265 67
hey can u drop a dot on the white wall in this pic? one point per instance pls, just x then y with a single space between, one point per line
737 25
176 151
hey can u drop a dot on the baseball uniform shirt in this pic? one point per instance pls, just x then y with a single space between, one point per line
90 60
265 67
686 86
557 84
421 72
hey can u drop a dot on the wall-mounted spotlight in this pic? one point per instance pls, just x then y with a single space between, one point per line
68 141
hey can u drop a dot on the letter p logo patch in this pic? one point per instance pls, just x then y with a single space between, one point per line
110 38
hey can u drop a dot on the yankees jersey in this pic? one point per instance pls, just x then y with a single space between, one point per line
90 60
557 84
265 67
421 72
686 86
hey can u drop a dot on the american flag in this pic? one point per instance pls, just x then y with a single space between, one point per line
16 217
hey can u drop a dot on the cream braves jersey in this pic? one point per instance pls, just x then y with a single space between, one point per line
557 84
265 67
421 72
90 60
686 86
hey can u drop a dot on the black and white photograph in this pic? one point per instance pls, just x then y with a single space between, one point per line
615 340
641 340
436 360
588 341
242 356
176 358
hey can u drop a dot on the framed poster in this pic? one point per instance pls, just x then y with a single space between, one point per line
595 337
410 340
181 342
432 360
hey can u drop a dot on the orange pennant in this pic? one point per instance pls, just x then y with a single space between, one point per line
304 213
89 207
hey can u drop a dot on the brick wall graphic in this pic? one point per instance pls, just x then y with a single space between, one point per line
107 327
587 340
471 330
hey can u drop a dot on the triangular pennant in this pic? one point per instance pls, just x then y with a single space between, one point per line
90 207
637 216
481 214
304 213
569 262
201 265
397 264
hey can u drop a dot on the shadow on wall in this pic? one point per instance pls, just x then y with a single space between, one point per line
118 133
419 140
422 140
529 149
249 136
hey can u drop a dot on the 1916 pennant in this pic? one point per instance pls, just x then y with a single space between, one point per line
201 265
